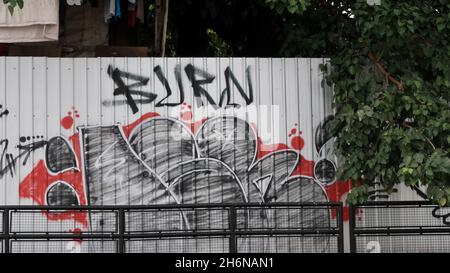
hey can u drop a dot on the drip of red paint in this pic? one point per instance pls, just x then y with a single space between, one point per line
297 143
186 116
77 232
67 122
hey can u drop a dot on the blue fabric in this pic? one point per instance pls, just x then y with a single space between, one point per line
118 13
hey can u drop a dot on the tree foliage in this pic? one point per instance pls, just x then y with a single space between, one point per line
392 96
12 4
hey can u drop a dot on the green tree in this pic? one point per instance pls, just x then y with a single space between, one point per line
392 95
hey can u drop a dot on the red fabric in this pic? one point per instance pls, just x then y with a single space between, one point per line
131 16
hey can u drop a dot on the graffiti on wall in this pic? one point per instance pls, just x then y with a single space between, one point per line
159 159
197 77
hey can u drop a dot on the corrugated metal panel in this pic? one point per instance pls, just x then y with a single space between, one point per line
282 99
165 130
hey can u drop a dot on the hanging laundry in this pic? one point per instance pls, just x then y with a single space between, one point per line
118 11
37 21
84 29
135 12
74 2
140 13
131 14
110 9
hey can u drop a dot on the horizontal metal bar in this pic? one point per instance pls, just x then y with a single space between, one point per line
166 235
404 230
175 206
394 203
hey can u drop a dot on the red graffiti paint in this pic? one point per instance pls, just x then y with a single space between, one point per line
335 192
77 232
265 149
128 128
297 143
67 122
34 186
186 116
194 126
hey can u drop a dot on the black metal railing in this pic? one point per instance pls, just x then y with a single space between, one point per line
401 226
281 227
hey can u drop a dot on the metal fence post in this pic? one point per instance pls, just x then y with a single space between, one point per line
121 230
6 230
232 224
340 218
351 228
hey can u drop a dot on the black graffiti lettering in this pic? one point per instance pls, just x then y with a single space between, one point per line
3 112
8 162
443 213
227 92
198 78
127 90
159 73
199 91
30 148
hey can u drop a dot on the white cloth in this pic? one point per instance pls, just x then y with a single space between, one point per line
38 21
110 9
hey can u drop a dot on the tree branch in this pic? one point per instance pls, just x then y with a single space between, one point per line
386 74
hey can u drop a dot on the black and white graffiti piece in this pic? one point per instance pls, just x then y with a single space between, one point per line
323 134
304 189
162 143
295 189
163 163
443 213
62 194
325 171
325 167
59 155
114 173
230 140
3 112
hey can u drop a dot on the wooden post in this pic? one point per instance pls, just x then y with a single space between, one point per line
161 19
